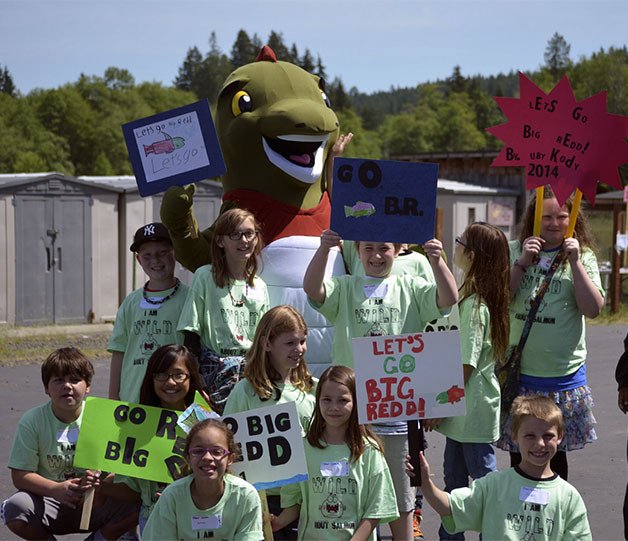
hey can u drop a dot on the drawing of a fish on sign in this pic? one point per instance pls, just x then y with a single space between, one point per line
165 146
359 210
450 396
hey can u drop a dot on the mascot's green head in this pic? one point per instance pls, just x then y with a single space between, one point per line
275 127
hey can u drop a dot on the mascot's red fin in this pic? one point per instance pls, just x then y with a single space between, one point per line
266 54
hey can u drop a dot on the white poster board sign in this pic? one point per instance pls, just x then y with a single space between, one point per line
408 377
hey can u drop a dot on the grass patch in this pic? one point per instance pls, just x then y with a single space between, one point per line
606 318
34 349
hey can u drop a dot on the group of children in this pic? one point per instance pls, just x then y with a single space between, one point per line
242 355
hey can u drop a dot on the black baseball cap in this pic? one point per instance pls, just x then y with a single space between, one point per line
150 232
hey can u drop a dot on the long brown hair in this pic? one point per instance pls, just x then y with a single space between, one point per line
357 435
226 224
582 232
161 361
488 277
259 370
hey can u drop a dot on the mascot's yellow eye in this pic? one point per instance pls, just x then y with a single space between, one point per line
241 103
325 99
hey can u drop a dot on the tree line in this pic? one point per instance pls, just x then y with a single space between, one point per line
75 129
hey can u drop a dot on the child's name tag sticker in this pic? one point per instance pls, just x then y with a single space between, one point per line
255 294
210 522
534 495
545 261
145 305
375 290
68 435
336 469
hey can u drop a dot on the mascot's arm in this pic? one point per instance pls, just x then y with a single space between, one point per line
191 247
337 150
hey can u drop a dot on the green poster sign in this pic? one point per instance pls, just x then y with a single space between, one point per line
131 439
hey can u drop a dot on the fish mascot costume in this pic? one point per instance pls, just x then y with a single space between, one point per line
276 127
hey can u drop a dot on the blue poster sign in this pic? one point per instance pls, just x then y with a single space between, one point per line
175 147
384 201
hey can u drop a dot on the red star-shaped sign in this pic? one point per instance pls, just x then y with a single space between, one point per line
562 142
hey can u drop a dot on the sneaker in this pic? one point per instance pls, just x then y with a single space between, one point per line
416 526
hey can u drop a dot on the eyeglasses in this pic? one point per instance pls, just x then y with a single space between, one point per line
177 377
215 452
459 241
237 235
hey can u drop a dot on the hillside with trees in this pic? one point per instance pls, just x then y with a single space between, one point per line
75 129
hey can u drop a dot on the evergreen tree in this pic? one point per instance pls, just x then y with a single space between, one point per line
243 50
6 82
557 56
294 54
276 43
337 95
189 69
457 83
320 68
307 61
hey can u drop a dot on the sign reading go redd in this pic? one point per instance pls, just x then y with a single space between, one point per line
408 377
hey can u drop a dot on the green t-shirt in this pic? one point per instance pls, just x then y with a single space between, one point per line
45 445
139 330
147 490
213 313
364 306
481 393
408 262
506 505
339 494
236 517
243 398
556 344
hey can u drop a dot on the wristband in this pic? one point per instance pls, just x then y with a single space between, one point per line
521 266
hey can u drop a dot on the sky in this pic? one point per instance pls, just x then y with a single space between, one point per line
369 44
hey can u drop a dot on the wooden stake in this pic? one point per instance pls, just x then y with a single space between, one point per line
86 515
268 531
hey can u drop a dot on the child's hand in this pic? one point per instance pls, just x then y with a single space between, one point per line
430 424
407 466
330 239
340 145
69 493
530 251
572 249
433 250
90 479
425 469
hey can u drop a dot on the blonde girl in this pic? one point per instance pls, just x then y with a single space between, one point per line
210 502
349 490
276 373
553 357
482 254
225 303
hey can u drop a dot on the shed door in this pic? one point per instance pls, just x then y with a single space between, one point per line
53 259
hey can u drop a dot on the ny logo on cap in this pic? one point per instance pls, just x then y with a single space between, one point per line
149 230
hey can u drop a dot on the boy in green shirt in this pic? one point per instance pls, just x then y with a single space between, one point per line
527 501
50 490
148 316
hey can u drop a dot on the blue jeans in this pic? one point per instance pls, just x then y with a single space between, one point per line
464 460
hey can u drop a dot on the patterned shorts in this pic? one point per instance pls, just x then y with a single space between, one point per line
220 375
577 407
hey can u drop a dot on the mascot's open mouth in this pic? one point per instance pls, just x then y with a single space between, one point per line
300 156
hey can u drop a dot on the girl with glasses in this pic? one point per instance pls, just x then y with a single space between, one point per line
225 303
170 382
211 502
